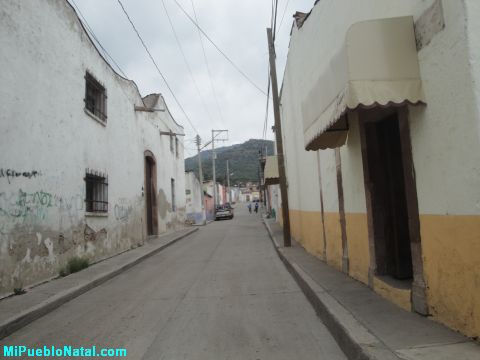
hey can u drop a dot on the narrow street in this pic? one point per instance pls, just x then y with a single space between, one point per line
221 293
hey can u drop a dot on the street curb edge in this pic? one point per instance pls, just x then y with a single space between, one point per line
355 340
26 317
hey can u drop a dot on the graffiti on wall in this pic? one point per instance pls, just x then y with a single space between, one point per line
25 205
122 210
10 174
32 207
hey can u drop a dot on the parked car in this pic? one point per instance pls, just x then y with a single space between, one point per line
224 212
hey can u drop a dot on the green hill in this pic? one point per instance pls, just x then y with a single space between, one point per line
243 161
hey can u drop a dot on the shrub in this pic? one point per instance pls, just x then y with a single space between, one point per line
74 265
19 291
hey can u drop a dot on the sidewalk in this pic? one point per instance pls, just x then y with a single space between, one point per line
365 325
18 311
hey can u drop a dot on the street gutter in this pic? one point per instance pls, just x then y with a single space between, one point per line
355 340
25 317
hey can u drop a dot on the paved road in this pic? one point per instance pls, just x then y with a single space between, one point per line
219 294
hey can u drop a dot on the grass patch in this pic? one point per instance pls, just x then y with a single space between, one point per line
74 264
19 291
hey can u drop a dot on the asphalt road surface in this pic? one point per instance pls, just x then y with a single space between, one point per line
219 294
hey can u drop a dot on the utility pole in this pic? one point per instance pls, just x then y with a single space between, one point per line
198 141
215 133
278 135
228 184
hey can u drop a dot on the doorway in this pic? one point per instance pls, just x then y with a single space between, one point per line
385 183
150 194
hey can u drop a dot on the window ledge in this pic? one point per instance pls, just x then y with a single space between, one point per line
95 214
95 117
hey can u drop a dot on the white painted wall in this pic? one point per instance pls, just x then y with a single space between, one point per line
445 137
45 55
193 193
444 133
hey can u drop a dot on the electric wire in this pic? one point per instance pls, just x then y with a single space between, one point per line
283 16
220 50
156 66
185 60
214 92
92 33
265 125
274 29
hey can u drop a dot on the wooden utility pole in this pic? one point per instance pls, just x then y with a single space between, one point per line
228 184
278 135
200 175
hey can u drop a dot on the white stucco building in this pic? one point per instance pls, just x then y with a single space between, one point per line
380 115
195 207
87 166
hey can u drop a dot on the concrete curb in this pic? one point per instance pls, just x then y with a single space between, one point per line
355 340
24 318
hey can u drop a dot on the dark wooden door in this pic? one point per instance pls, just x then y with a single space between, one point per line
149 193
387 186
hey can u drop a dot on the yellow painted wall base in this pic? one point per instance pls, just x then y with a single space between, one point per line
451 252
400 297
306 228
333 233
358 249
451 261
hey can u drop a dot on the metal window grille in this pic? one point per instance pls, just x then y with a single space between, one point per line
95 97
96 190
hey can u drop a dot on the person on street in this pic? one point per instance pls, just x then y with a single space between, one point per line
249 208
256 207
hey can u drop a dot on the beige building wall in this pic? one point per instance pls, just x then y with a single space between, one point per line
445 147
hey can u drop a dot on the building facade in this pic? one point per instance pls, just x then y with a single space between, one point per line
195 209
380 101
89 168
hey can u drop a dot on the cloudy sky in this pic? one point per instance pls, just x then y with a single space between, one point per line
224 100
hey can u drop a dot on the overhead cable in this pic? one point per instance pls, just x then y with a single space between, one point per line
220 50
214 92
92 33
156 66
185 59
283 15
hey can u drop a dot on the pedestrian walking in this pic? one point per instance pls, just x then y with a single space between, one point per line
249 208
256 207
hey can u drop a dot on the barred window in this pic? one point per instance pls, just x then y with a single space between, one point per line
96 190
95 98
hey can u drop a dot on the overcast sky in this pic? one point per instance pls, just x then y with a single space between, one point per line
237 27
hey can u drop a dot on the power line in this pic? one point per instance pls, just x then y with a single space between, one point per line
90 30
185 59
207 65
156 66
275 19
283 15
219 50
265 125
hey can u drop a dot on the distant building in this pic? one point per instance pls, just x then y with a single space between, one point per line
383 176
195 213
88 167
221 191
272 181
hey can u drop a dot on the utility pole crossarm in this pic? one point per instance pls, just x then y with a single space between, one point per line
279 140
